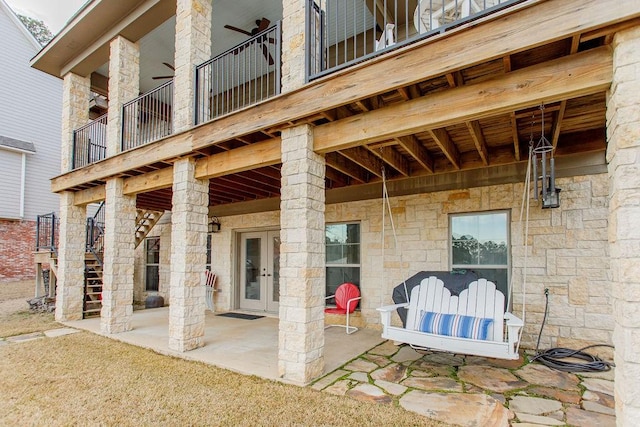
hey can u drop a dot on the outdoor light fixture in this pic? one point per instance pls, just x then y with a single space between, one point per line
214 225
543 159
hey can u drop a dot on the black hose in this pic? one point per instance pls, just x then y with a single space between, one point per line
551 357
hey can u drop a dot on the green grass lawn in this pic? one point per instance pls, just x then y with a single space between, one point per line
85 379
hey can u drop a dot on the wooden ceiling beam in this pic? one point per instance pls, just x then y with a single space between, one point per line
392 157
557 124
89 195
241 159
365 159
478 139
442 139
411 144
335 176
235 182
515 136
576 75
341 164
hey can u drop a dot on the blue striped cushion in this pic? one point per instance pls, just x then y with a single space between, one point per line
455 325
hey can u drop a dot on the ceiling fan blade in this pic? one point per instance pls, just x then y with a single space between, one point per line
262 24
170 66
161 77
240 30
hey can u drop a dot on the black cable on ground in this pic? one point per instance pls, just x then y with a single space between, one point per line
552 357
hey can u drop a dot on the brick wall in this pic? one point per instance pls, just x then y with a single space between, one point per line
17 243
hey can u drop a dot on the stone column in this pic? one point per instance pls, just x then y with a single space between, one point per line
193 47
623 156
124 86
71 248
76 91
118 263
302 254
188 257
293 44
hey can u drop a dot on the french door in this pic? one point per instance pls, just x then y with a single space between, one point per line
260 271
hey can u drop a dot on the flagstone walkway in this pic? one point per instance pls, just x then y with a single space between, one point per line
475 391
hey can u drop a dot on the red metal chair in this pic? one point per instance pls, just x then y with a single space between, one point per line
347 296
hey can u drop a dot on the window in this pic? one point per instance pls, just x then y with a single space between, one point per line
480 242
152 276
342 255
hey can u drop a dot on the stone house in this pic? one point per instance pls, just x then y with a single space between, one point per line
29 149
278 122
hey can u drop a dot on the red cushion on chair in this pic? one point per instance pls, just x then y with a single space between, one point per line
344 293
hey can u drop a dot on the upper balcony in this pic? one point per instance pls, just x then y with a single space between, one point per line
454 88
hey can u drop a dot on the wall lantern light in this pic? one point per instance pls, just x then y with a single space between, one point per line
214 225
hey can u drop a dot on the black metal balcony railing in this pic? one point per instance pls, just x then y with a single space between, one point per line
47 232
90 143
95 233
343 32
244 75
148 118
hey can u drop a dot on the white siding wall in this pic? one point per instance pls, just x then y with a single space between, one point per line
30 110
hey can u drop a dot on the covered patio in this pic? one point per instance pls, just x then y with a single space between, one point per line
248 347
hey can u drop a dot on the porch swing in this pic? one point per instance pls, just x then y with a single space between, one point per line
474 322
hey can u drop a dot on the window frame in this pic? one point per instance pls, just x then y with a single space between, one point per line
147 264
328 265
474 267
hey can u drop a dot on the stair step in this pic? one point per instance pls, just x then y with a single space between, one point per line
92 310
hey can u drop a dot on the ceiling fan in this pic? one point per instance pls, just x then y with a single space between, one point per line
166 64
261 25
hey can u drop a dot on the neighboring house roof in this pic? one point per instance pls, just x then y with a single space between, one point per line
16 144
20 25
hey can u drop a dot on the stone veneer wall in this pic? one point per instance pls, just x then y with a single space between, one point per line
569 253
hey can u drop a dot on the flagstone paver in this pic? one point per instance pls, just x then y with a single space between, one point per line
490 378
541 375
457 408
362 377
538 420
329 379
360 365
406 354
596 384
433 383
387 348
579 417
369 393
475 391
391 388
557 394
596 407
392 372
340 387
533 405
601 398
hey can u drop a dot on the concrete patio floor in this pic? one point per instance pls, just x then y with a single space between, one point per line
248 347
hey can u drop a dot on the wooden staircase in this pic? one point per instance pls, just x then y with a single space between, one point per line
92 285
145 221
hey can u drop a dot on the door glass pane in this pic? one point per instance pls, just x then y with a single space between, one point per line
252 270
275 297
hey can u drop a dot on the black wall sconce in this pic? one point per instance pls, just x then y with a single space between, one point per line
214 225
